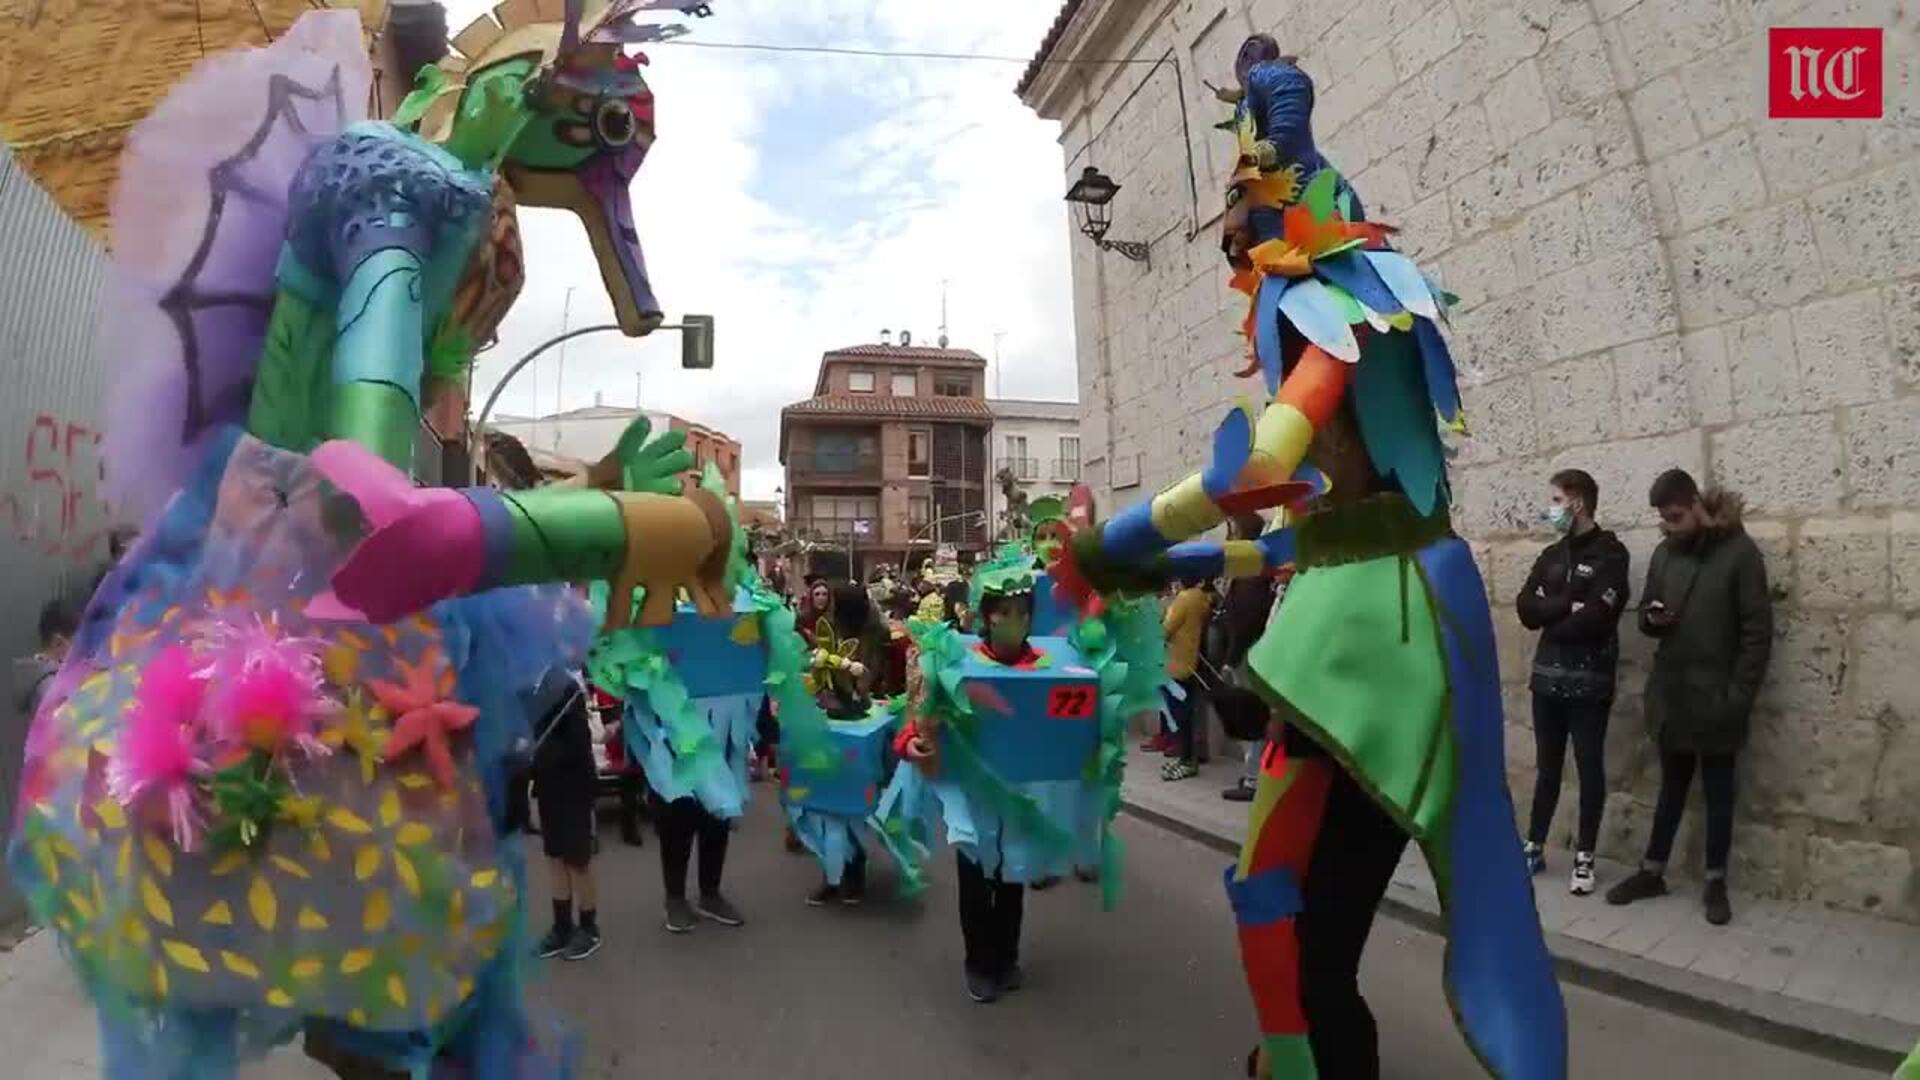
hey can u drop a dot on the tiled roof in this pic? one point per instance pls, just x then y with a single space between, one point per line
1054 33
879 405
918 354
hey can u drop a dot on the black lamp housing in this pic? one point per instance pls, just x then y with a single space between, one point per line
1093 193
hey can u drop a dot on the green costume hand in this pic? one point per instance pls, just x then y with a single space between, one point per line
652 464
490 120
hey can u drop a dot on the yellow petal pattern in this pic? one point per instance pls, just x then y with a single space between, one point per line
218 915
390 808
413 834
279 998
262 903
414 781
111 815
397 990
318 847
347 821
308 967
239 965
484 879
378 911
356 961
403 869
311 920
288 866
366 862
185 956
158 853
228 863
155 901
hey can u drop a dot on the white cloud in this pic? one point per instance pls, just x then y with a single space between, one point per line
957 182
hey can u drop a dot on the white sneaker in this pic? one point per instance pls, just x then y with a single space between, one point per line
1583 879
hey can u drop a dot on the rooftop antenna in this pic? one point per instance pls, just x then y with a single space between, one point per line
943 313
997 335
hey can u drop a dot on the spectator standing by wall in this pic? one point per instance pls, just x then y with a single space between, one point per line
1574 597
1708 605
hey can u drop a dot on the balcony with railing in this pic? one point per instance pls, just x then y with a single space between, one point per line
1064 470
1024 469
834 466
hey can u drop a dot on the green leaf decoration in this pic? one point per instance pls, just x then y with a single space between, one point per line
1320 192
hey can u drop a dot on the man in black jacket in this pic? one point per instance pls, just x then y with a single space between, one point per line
1574 597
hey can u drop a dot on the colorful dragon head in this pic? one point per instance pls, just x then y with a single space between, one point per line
545 90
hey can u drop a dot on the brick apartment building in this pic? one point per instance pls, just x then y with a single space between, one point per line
888 460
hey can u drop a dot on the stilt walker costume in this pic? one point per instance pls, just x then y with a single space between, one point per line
1380 663
267 791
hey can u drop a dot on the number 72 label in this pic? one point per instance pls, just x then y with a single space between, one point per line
1071 702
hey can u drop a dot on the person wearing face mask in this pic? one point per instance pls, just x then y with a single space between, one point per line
1708 605
1574 597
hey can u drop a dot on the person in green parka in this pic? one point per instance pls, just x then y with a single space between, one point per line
1708 605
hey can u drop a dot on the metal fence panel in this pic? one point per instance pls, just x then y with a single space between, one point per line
53 522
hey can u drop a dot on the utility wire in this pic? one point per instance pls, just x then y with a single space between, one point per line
903 54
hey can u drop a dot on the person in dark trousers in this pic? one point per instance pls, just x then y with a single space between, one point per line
1574 596
992 908
682 825
1184 623
848 695
564 785
1708 605
1241 620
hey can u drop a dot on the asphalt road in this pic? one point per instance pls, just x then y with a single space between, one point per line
1151 991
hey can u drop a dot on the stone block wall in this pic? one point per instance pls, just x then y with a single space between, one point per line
1652 274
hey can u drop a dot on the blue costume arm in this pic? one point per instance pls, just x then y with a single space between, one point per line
1281 97
1210 558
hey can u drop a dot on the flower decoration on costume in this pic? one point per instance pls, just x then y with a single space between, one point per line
424 718
357 730
268 694
157 766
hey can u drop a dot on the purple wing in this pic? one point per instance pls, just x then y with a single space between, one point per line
198 221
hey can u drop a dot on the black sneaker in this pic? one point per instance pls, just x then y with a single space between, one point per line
584 943
1536 857
1240 792
853 893
1014 979
1086 875
1719 911
715 907
553 944
983 989
1641 885
826 894
1045 883
680 917
633 837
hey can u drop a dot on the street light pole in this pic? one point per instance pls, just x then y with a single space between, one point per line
696 353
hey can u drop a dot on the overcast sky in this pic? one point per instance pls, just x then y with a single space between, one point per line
808 201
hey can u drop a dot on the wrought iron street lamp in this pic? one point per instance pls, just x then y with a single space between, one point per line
1093 193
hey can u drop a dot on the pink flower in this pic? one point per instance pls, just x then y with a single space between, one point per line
157 762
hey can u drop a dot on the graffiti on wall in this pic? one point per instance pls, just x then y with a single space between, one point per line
59 512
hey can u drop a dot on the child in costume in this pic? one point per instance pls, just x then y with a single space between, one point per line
266 793
1016 745
1380 666
693 692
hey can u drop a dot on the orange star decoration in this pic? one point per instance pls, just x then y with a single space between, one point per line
424 719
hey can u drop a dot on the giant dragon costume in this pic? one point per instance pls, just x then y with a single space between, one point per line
266 793
1382 655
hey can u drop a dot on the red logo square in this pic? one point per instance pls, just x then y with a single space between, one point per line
1825 73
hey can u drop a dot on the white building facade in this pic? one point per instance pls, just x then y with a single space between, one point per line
1652 274
1038 444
